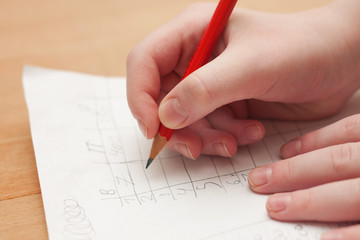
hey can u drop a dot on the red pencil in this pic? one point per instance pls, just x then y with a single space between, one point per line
201 56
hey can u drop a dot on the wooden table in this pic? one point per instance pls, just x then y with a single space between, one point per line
87 36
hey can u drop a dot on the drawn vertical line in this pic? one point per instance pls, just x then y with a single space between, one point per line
267 150
252 158
166 179
232 166
187 172
217 173
118 132
277 130
109 99
143 170
106 156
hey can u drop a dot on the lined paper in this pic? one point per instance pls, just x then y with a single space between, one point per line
91 161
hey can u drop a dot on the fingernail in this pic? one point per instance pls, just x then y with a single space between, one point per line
278 202
291 148
184 150
172 113
221 149
260 176
252 133
332 235
143 128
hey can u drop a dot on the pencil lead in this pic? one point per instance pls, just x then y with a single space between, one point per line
158 143
149 162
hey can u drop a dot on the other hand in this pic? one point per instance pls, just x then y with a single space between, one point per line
319 180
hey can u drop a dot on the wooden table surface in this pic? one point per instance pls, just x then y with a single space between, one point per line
87 36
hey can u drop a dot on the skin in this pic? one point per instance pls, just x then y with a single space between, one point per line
298 66
321 172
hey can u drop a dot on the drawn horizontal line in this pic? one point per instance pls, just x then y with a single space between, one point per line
183 183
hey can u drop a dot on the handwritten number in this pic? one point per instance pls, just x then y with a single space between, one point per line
164 194
245 176
300 230
129 200
95 147
183 191
146 198
237 181
107 192
207 183
119 180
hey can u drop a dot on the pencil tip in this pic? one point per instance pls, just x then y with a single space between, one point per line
149 162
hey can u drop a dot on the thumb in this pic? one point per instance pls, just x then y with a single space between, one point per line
206 89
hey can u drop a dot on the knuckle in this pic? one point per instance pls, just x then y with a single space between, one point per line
341 157
287 173
201 90
352 127
289 168
303 200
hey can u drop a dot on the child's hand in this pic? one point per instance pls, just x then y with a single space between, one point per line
295 66
321 178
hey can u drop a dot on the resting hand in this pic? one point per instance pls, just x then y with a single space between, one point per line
319 180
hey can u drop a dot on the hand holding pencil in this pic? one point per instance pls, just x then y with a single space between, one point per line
169 50
261 67
201 56
293 67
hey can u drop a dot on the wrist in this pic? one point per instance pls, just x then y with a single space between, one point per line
347 15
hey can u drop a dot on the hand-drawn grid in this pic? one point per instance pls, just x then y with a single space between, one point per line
171 176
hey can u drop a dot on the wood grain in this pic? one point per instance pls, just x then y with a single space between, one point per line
22 218
87 36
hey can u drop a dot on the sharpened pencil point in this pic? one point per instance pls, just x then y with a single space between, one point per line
149 162
158 144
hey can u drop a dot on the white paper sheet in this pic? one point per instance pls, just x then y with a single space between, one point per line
91 162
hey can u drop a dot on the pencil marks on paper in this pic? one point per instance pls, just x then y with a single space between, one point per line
78 226
113 137
88 145
171 178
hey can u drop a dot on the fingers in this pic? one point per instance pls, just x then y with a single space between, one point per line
208 88
314 168
201 138
245 131
338 201
343 131
347 233
187 142
165 52
143 89
217 142
217 134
